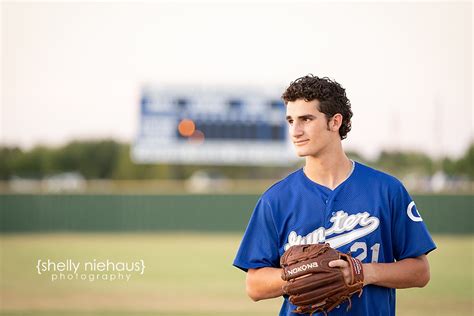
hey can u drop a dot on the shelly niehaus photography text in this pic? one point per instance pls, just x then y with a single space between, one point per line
93 270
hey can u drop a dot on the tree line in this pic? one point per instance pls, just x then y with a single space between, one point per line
109 159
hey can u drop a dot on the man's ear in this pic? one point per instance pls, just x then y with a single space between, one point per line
335 122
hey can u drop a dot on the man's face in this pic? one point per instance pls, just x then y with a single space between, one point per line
308 127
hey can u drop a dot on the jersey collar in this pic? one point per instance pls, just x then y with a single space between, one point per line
314 185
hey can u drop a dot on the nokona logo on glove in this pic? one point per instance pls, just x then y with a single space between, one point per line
301 268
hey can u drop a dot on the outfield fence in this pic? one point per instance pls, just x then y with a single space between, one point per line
451 214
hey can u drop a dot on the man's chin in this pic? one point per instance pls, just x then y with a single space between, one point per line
302 153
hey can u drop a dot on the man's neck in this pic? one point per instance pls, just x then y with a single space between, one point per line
328 170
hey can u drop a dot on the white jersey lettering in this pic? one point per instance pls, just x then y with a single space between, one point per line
342 222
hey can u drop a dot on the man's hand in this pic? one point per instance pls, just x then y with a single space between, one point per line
345 268
406 273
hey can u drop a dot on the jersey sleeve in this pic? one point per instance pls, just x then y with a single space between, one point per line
259 246
410 235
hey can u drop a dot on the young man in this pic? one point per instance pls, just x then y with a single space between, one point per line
332 199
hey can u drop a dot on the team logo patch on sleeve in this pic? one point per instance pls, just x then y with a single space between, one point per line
413 213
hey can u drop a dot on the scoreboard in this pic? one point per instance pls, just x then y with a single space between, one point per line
219 126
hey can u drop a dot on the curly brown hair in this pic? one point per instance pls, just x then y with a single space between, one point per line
330 94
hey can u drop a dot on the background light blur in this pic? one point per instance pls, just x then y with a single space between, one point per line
76 72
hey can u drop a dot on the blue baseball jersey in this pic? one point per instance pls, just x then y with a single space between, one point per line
370 214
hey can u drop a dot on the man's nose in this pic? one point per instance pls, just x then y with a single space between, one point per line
296 130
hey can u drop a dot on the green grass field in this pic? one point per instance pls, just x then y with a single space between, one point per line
187 275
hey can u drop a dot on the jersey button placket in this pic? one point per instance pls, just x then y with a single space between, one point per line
329 204
329 201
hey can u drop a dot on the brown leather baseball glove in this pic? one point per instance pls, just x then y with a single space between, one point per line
312 285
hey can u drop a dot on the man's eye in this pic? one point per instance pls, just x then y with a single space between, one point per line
307 119
290 122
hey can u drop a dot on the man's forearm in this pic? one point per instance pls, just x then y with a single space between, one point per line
264 283
406 273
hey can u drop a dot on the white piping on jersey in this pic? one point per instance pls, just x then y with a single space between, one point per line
342 222
352 170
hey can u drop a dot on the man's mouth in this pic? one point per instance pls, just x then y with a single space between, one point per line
301 142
